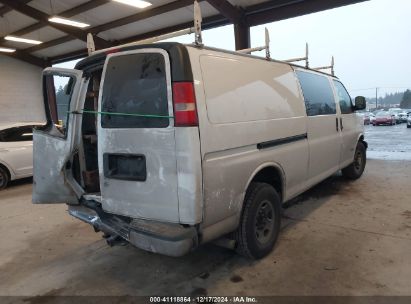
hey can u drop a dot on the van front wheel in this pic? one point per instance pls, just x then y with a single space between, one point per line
356 169
260 221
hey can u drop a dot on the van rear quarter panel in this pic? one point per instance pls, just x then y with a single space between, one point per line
243 101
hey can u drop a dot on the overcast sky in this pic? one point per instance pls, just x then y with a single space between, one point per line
371 43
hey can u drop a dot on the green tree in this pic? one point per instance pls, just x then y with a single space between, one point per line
406 100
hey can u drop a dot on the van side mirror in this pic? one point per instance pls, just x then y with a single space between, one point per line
360 103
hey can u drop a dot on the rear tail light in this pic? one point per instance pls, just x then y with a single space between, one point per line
184 101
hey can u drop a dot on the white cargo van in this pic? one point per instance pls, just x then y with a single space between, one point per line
168 146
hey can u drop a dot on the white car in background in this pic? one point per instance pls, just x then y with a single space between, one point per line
403 116
16 151
396 113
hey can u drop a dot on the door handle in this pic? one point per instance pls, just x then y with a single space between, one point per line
341 124
336 124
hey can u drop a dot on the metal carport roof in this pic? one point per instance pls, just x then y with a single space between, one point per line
113 23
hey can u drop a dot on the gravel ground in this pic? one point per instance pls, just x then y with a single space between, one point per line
389 142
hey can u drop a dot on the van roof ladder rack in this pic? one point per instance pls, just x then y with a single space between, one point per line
195 29
305 58
331 67
186 31
265 47
198 19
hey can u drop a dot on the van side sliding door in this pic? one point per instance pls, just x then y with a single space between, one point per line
322 125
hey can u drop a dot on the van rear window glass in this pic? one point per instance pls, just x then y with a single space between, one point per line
135 85
318 95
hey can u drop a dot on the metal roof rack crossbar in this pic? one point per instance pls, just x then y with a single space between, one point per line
305 58
331 67
265 47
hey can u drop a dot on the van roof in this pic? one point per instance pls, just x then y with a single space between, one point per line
181 70
180 63
265 59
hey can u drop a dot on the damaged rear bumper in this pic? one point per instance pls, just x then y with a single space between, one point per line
158 237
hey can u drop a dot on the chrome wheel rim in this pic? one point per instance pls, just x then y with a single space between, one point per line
264 222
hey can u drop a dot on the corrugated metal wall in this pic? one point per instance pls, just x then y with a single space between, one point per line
20 91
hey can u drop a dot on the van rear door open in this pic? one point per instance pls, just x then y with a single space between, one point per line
53 144
136 140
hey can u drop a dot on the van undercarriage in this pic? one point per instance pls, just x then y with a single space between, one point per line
158 237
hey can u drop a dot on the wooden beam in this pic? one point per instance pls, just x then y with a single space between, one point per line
236 16
20 55
66 14
169 7
48 44
69 56
229 11
242 36
117 23
43 17
266 12
208 23
5 9
84 7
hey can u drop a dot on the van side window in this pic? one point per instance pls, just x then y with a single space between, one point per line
318 95
344 98
135 85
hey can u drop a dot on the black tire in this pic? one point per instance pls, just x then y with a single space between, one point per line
4 178
356 169
260 221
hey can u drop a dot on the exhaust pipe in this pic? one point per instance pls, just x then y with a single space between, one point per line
114 240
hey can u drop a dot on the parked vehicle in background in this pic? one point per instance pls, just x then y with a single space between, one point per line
372 118
16 152
384 118
366 118
403 116
396 113
186 144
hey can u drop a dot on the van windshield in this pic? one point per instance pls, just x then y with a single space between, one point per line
135 91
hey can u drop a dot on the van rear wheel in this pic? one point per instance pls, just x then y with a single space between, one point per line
356 169
260 221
